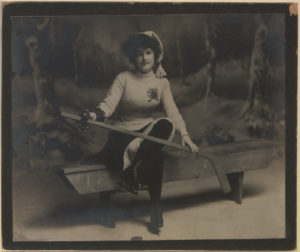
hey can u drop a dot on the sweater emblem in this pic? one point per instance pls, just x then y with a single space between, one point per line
152 94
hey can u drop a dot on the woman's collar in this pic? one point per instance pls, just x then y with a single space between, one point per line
143 75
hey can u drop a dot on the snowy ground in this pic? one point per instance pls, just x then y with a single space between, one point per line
44 209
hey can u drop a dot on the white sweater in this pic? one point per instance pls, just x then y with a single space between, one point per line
137 96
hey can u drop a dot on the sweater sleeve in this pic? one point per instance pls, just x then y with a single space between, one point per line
171 109
111 101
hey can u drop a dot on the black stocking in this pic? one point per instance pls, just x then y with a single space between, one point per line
151 172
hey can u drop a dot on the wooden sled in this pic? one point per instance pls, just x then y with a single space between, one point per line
233 159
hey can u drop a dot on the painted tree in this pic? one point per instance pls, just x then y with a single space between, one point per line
52 138
47 109
258 71
179 54
260 117
84 60
210 31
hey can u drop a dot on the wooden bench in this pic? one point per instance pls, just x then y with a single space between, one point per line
233 158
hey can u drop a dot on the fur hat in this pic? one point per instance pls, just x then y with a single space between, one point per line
150 40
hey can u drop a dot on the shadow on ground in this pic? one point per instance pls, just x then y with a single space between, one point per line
93 212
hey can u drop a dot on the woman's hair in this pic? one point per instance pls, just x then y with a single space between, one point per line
139 40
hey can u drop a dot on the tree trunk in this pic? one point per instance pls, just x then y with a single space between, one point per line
210 37
256 112
179 57
47 110
53 139
76 56
258 72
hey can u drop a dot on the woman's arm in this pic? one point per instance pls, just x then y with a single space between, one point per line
173 113
171 109
111 101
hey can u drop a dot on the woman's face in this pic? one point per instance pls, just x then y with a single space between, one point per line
144 59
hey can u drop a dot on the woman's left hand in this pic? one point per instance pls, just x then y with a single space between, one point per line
186 141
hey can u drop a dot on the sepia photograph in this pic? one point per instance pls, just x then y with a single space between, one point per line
161 126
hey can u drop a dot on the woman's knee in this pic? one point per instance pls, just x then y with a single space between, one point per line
162 128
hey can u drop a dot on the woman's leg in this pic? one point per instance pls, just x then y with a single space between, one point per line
154 189
150 172
150 153
146 168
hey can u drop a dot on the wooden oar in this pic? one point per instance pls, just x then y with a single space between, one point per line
219 172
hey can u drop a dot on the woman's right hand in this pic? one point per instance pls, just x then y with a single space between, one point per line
98 115
93 115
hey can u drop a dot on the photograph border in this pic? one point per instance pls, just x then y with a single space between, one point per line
79 8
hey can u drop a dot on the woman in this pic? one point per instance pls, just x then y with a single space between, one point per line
134 96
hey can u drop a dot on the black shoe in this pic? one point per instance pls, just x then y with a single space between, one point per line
153 229
128 181
130 177
156 220
128 187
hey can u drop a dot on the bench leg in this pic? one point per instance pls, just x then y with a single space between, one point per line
107 217
236 183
